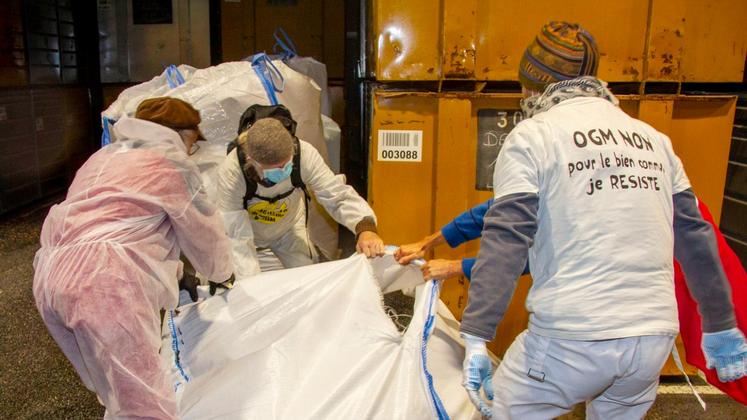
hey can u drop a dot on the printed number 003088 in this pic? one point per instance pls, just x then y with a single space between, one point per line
400 154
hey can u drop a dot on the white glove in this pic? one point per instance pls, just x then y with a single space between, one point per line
477 372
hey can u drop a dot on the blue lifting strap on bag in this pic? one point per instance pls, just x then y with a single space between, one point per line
174 77
105 134
284 45
268 74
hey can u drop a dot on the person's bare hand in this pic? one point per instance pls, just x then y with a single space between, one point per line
441 269
409 252
370 244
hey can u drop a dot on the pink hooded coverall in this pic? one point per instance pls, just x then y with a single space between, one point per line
109 262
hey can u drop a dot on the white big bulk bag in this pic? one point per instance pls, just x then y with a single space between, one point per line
317 71
315 342
160 85
221 94
332 137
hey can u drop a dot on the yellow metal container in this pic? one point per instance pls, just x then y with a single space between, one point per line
413 199
406 39
639 40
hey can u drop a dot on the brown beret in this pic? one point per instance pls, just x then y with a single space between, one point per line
169 112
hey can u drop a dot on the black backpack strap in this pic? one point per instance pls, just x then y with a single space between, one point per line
275 198
251 186
232 145
296 173
296 179
256 112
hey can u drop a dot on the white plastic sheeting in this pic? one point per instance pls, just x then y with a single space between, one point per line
222 93
127 101
317 71
314 343
333 137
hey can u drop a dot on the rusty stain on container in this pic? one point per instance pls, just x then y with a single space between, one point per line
699 46
458 62
664 54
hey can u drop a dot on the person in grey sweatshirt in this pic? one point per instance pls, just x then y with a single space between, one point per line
599 204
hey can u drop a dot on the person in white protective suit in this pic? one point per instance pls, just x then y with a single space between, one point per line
599 204
263 193
109 257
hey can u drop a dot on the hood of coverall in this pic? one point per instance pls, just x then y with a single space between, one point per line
134 133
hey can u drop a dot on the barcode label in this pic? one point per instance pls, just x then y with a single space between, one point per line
400 139
400 145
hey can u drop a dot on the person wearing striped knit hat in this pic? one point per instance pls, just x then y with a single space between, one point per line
600 232
561 51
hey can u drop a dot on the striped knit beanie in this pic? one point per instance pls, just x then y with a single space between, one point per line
561 51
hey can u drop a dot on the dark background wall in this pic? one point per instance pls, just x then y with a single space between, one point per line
48 90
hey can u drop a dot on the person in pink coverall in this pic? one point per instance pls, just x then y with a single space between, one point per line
109 257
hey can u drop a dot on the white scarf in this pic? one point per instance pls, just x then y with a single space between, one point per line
588 86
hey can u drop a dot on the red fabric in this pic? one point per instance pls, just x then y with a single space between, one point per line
690 324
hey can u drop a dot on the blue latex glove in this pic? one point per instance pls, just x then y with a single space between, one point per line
477 373
727 352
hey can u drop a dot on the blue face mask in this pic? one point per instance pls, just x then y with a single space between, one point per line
277 175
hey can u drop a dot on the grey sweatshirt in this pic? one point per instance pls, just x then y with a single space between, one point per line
508 233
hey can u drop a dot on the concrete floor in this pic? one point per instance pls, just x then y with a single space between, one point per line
36 381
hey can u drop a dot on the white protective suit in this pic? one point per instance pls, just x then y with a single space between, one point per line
109 262
281 226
